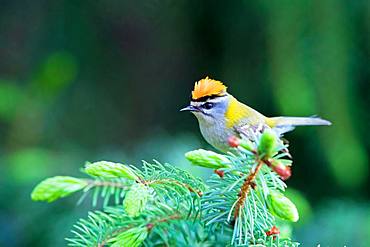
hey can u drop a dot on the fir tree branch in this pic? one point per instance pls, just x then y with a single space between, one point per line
113 234
162 204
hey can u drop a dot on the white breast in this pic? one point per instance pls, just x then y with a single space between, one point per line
216 134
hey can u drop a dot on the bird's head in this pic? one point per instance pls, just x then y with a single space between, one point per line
209 101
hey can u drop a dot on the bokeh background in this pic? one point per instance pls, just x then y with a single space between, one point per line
91 80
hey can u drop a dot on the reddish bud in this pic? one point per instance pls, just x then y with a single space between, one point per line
220 173
273 231
149 226
233 141
283 171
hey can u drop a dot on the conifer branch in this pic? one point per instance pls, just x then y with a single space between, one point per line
160 204
149 226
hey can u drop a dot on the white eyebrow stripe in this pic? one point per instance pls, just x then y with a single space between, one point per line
193 103
215 100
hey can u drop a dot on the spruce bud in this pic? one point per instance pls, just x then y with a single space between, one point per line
283 171
136 199
208 159
273 231
282 207
233 141
57 187
267 143
108 169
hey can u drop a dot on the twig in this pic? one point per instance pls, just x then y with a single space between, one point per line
191 189
107 184
244 190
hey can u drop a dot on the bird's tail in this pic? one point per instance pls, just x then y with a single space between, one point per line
296 121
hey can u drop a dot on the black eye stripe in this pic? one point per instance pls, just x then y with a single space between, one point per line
208 105
205 98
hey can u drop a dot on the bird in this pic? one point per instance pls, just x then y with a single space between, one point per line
221 116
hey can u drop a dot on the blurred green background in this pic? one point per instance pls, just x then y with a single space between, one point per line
91 80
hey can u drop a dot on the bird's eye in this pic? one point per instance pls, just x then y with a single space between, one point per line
208 105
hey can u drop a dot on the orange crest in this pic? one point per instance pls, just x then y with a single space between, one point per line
208 87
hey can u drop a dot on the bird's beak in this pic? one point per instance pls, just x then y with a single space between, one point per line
190 108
